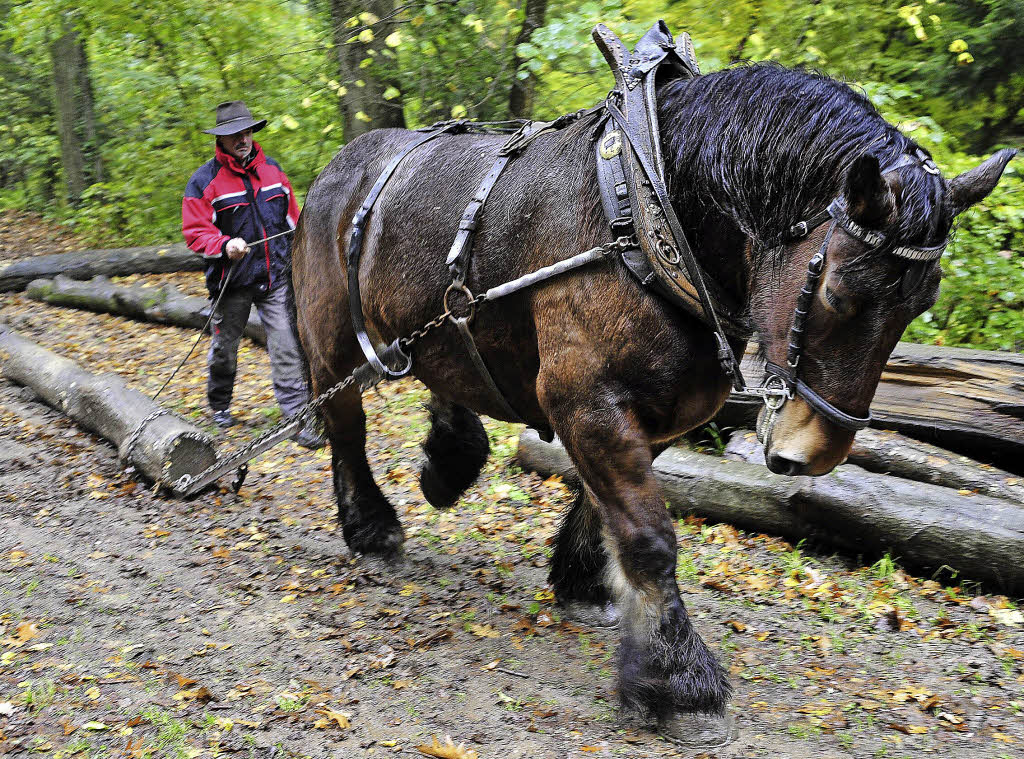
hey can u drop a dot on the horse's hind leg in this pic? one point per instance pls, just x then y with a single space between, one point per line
368 521
456 450
578 564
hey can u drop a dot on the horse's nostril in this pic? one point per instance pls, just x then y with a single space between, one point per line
782 465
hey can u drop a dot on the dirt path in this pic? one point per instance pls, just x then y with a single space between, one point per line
239 625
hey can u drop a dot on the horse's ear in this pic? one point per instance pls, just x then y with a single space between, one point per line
868 200
971 186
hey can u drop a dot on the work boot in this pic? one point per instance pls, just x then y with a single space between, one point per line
223 418
309 436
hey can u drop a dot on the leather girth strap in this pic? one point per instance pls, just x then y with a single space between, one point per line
633 191
460 255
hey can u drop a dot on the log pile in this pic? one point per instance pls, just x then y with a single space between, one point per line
852 509
164 305
967 401
166 447
155 259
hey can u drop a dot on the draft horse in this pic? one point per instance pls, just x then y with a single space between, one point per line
612 367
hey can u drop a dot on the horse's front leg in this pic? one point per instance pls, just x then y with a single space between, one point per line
665 668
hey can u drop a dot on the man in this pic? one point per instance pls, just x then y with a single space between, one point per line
242 196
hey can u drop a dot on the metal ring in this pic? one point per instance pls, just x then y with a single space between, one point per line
775 400
453 287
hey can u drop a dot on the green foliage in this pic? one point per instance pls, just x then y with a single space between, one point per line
950 74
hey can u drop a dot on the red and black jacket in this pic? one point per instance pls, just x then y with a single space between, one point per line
224 200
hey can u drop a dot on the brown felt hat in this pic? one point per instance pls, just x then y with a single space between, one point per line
234 117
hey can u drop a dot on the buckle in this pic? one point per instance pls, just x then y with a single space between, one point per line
799 230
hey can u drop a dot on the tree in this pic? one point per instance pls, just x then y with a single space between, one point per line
75 115
371 97
520 99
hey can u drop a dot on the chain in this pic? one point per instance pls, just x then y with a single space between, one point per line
188 484
129 446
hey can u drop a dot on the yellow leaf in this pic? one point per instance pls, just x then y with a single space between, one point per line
484 631
393 40
366 35
93 693
289 599
95 726
361 115
329 714
292 124
459 112
447 750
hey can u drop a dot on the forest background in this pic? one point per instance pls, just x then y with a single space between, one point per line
102 102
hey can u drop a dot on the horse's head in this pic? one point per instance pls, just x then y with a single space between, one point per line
877 257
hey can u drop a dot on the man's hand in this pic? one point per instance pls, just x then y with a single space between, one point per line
236 248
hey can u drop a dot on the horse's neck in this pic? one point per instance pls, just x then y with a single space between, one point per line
722 250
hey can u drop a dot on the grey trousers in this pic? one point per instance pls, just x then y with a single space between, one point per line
229 321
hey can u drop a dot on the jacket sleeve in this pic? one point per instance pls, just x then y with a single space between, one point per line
293 207
197 223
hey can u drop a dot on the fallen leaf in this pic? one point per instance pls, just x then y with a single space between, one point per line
95 726
909 729
93 693
484 631
736 625
447 750
330 715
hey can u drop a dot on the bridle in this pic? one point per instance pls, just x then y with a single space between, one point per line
783 383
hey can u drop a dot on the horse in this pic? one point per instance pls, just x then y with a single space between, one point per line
613 368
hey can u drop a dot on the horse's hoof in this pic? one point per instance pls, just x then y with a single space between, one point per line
699 731
375 539
601 616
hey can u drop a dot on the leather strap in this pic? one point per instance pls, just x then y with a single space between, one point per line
725 354
816 402
355 247
462 323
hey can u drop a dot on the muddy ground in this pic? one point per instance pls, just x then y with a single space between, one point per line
132 624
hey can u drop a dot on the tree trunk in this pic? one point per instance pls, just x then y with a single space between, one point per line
860 512
76 118
112 262
520 98
967 401
363 106
163 305
167 446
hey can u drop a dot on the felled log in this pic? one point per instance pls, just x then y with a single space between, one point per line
155 259
167 446
968 401
857 511
164 305
886 452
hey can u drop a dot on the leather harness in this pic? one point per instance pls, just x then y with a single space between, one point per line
647 232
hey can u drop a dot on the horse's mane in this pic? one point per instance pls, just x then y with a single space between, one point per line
769 146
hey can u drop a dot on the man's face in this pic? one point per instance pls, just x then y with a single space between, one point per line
238 144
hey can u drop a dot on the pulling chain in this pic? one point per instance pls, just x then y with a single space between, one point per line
188 485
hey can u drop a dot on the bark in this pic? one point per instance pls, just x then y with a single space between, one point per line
967 401
163 305
363 106
520 98
857 511
167 447
76 118
887 452
155 259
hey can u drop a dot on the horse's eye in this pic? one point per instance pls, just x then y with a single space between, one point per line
840 304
